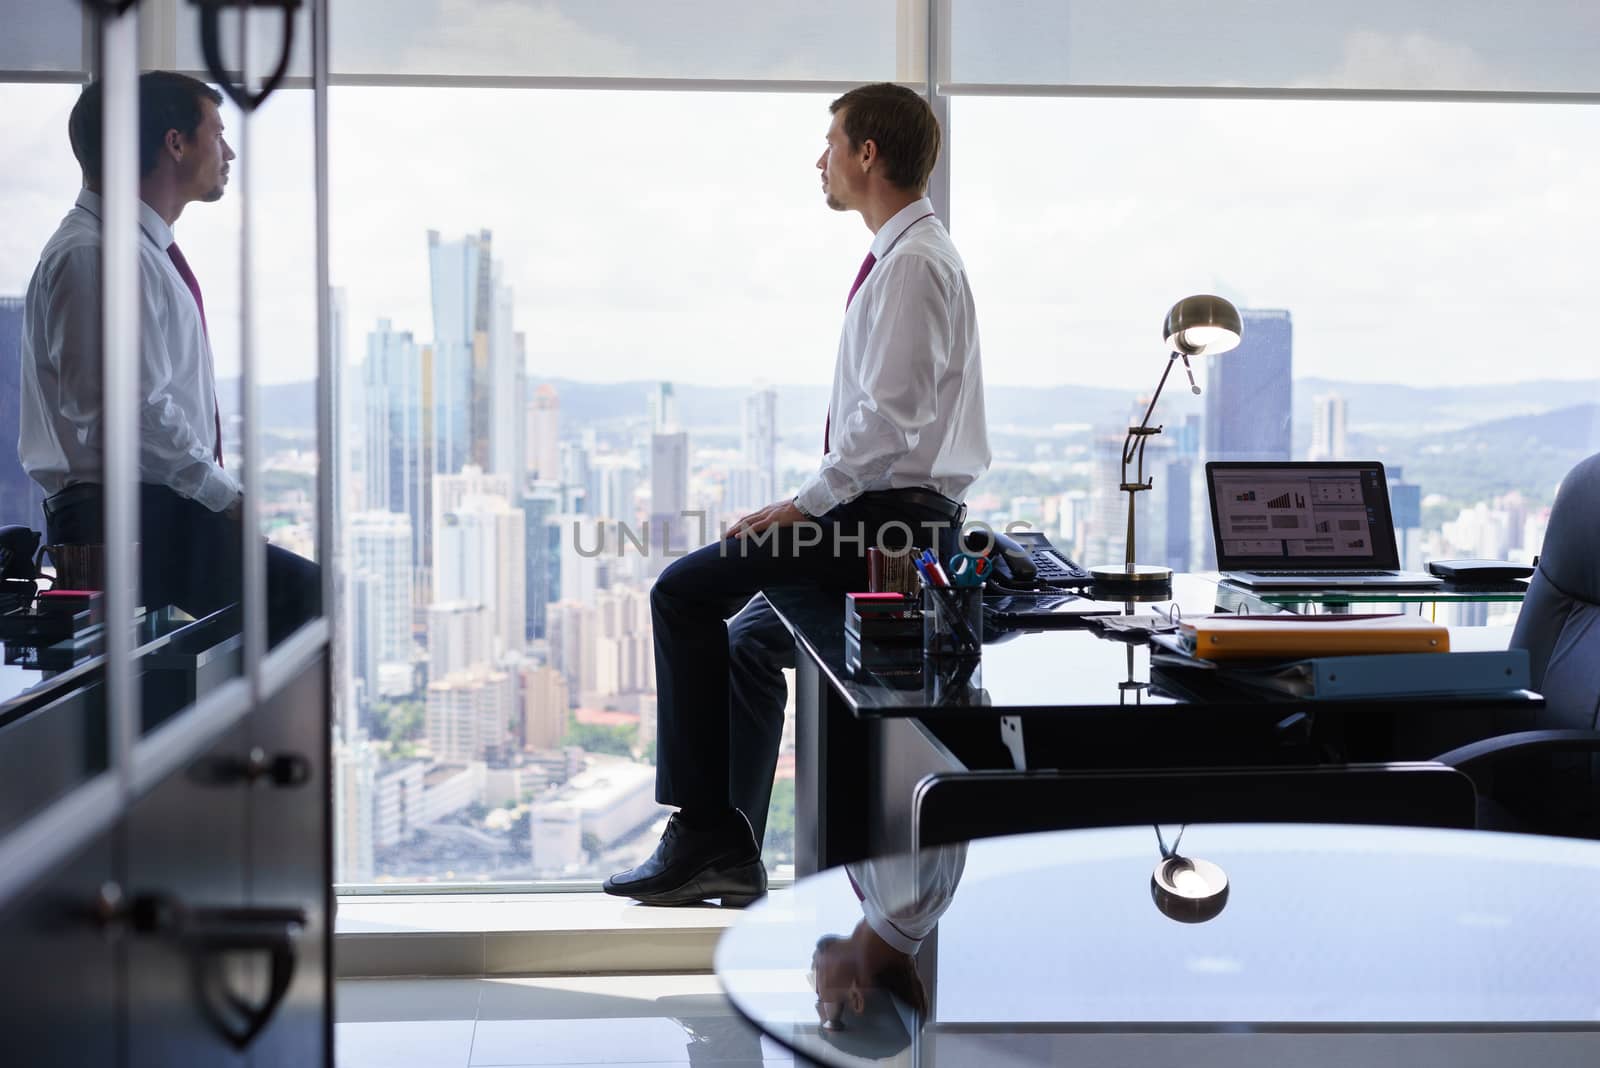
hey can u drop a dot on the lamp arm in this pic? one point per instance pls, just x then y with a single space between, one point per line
1127 448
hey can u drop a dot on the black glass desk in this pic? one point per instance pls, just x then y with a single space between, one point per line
1332 945
1060 698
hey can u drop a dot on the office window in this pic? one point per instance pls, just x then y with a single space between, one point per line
1408 296
560 311
1477 45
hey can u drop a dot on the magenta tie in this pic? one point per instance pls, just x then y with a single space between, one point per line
176 255
861 276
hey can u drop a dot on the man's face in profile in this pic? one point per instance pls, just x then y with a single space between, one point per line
204 168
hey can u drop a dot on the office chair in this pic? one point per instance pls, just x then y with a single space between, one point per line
1549 779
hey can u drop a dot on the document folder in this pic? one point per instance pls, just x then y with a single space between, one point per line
1283 637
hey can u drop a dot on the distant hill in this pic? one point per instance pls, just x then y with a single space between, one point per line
1496 415
1529 453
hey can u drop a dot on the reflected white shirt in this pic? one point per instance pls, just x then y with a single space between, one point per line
903 896
62 425
907 403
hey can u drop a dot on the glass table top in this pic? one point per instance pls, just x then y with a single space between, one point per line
1073 660
1034 939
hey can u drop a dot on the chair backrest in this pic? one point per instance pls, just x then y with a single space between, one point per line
1560 620
956 807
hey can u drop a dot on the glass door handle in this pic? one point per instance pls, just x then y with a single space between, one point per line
211 46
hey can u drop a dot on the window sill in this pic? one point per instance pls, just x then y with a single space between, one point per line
521 934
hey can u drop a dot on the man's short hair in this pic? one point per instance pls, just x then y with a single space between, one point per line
900 123
167 101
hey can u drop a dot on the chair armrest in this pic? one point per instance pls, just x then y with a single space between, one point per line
1480 755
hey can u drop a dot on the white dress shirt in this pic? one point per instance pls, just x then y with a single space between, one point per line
907 402
903 896
62 424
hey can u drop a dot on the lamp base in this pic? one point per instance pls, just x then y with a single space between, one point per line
1130 575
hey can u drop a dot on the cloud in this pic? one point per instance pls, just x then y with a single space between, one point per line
1374 60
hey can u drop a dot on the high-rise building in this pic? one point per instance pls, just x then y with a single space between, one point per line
545 707
669 497
469 715
461 273
380 545
396 450
663 408
1249 392
542 541
450 490
760 433
478 361
460 638
20 496
1328 428
508 388
544 434
613 480
480 556
354 790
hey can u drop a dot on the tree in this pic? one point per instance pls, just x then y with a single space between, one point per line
780 823
600 738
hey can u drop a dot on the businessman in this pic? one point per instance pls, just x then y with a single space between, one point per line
903 438
191 539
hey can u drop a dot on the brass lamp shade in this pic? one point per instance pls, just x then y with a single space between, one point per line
1203 325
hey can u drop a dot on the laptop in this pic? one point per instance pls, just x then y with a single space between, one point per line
1308 525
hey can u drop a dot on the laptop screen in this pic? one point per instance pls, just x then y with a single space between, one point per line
1301 515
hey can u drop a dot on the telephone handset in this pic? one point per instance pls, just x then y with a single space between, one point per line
1025 560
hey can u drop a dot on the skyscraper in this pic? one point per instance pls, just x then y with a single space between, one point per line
459 638
544 434
542 541
1328 428
760 427
380 548
398 475
470 714
477 360
481 557
669 497
1249 392
461 273
663 406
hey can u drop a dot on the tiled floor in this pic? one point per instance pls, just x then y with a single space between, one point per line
617 1021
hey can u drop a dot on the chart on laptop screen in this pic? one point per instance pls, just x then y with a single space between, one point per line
1298 516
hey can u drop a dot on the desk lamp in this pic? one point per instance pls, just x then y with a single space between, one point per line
1202 325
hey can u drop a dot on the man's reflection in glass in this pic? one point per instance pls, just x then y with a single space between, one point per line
191 543
868 971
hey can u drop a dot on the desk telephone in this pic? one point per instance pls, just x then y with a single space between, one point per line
1025 560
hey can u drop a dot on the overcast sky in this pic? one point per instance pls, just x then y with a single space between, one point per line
683 235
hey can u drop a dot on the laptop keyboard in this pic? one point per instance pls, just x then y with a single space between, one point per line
1328 574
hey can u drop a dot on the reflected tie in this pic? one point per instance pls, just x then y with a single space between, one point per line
176 255
861 276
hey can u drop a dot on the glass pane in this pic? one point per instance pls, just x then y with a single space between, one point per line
190 541
1359 44
500 722
53 728
41 37
266 28
1405 300
783 39
283 285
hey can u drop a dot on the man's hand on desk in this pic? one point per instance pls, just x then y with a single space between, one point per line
781 514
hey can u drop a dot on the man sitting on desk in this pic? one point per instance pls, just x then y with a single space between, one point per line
191 541
903 439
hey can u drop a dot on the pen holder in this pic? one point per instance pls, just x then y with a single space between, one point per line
952 621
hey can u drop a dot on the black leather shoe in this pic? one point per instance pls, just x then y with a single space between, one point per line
690 866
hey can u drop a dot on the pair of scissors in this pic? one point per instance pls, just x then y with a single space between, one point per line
968 569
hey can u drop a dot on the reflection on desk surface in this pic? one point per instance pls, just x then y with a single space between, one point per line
1080 662
1347 928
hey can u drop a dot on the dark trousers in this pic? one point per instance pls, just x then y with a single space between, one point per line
720 690
190 556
